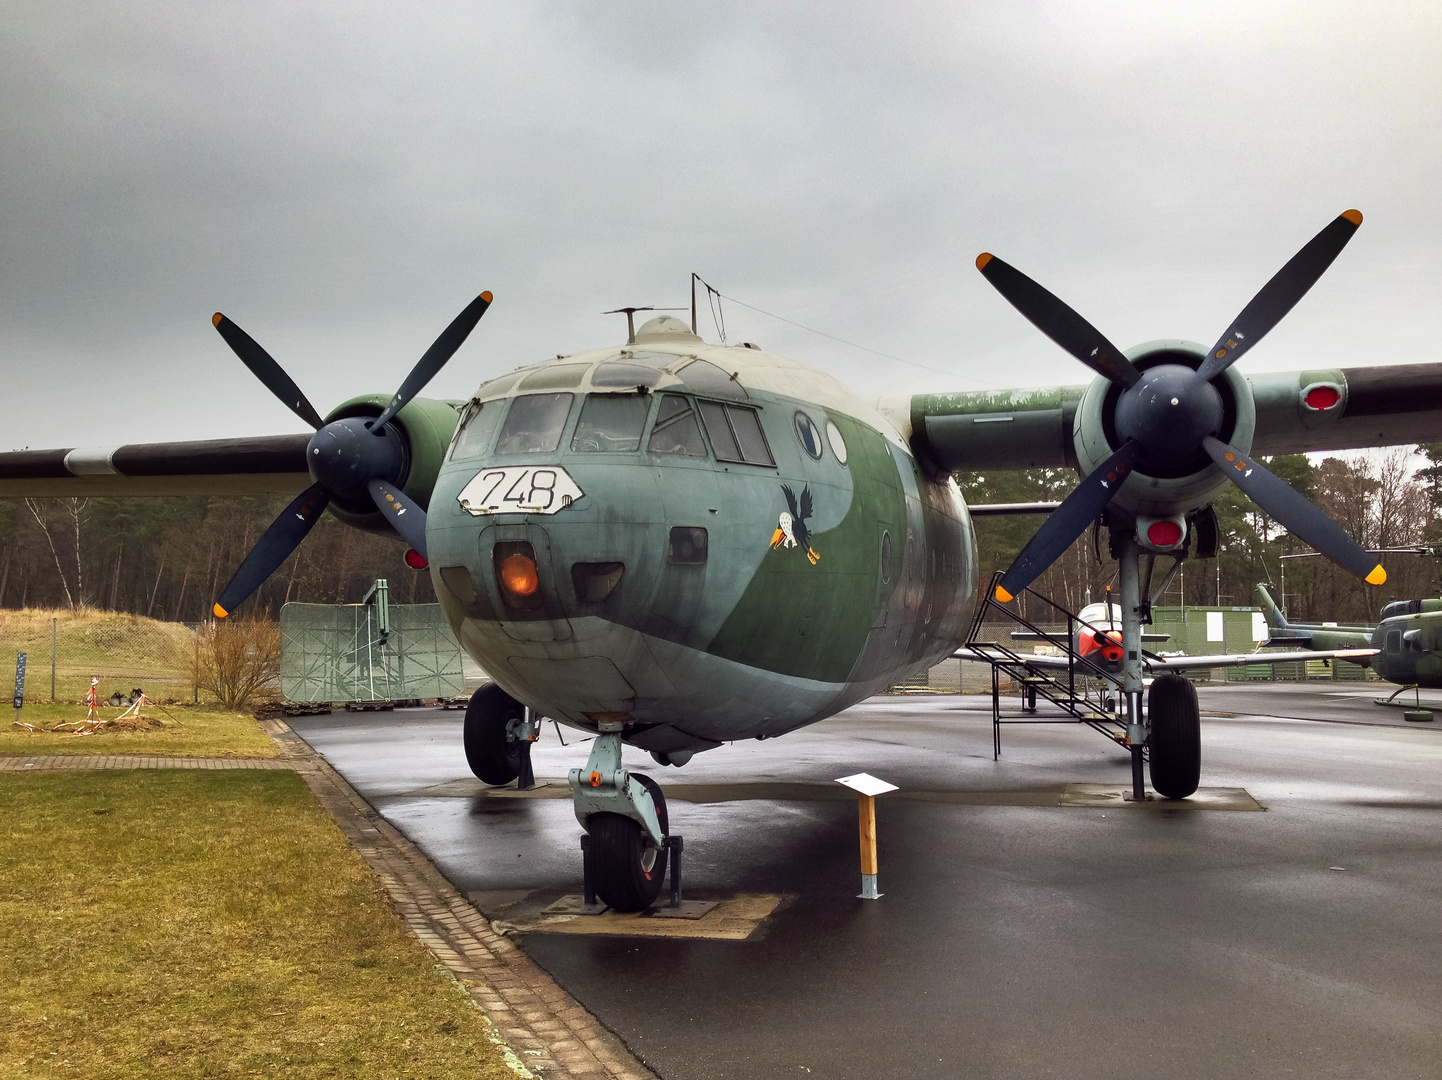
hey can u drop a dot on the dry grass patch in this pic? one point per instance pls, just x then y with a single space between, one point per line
184 732
209 924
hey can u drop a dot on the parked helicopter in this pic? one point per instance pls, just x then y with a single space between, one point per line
1407 639
674 544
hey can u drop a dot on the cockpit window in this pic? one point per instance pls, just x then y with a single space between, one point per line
736 433
676 429
477 429
555 377
533 426
610 423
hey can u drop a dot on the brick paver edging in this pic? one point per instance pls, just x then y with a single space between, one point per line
548 1031
54 762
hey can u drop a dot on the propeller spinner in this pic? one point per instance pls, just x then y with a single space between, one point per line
350 459
1168 414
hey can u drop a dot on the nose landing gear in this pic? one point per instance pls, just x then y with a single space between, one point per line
624 814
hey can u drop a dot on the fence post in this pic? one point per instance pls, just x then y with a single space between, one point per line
54 625
195 668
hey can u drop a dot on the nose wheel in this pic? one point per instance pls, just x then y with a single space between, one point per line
627 866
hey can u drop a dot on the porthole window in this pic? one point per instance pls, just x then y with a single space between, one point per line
838 444
886 558
808 436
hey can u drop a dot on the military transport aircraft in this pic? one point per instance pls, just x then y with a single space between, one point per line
602 528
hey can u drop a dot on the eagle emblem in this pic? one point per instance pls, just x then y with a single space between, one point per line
791 528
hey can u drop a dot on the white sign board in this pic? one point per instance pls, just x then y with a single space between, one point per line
1259 627
867 784
1216 626
520 489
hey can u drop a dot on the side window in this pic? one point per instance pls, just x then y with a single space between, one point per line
534 424
1394 641
476 430
736 433
676 429
610 422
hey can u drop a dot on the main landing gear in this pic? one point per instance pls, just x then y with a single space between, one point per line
1170 733
498 734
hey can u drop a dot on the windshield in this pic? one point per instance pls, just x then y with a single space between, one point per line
611 422
534 424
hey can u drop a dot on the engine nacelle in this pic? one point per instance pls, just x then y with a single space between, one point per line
1153 490
426 427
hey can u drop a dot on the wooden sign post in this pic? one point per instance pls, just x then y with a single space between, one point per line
867 787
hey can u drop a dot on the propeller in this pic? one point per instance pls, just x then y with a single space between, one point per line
350 459
1169 414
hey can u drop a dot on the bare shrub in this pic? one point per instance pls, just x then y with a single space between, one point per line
238 660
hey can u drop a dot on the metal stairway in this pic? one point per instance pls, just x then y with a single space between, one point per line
1086 693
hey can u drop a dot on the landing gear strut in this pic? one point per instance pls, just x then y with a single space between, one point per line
624 814
1170 731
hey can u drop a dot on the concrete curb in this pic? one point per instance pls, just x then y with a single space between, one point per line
549 1031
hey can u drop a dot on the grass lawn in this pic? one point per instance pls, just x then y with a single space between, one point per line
209 924
188 732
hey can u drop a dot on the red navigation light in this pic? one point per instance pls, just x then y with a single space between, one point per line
415 560
1164 534
1322 397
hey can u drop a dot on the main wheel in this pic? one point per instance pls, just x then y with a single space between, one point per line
1176 738
629 869
492 735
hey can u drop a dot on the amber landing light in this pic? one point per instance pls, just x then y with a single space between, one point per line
518 575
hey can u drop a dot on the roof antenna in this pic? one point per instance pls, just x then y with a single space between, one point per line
630 313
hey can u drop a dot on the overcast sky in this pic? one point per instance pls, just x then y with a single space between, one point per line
341 179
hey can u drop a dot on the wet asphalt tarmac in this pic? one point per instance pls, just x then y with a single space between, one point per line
1012 940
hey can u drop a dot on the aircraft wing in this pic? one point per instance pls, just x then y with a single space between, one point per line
268 464
1183 663
1033 428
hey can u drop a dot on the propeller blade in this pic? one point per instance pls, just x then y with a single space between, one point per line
435 358
1068 521
1058 321
1294 511
274 547
1281 294
405 516
264 367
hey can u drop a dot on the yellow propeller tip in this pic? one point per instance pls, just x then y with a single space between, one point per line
982 260
1354 216
215 319
1003 595
486 296
1377 576
220 612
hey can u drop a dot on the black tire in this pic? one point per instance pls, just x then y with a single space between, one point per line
1175 744
493 748
629 870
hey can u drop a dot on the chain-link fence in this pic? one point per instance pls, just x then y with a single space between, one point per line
66 649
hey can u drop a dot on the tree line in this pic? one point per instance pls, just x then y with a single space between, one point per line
169 558
1384 500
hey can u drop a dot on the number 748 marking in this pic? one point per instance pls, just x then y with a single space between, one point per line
520 489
